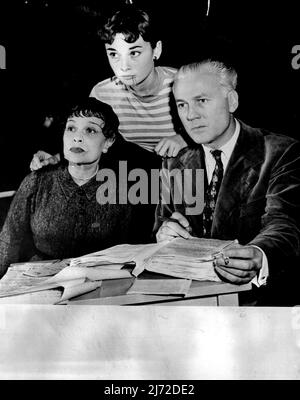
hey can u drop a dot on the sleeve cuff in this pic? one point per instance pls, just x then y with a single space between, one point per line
261 278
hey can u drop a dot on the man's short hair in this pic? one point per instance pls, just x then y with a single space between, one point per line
132 23
227 75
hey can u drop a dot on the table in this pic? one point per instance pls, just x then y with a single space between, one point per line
113 292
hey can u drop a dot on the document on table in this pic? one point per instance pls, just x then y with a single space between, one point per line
123 253
185 258
180 258
44 297
44 268
15 281
197 249
173 287
199 271
73 280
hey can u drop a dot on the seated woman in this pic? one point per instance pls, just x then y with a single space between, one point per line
55 213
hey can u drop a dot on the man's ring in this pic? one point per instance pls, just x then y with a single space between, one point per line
226 260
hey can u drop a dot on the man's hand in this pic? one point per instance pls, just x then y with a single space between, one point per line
41 159
241 266
169 147
171 229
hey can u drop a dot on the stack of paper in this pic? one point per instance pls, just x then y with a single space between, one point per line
74 280
175 287
120 254
187 259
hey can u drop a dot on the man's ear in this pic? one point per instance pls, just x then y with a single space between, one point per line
157 50
233 100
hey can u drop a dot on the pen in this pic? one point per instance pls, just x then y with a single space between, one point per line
220 252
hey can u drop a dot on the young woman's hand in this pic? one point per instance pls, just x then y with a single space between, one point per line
169 147
41 159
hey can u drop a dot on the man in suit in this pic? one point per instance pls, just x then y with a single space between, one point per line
252 185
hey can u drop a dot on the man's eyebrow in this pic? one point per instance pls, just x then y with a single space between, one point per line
198 96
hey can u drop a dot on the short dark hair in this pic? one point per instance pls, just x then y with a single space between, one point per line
132 22
92 107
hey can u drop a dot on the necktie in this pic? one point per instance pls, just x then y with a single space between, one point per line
212 193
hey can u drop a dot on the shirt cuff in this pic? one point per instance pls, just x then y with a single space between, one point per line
261 278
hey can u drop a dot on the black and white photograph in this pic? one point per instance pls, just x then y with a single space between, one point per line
149 193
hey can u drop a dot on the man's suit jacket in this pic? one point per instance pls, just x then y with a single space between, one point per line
259 198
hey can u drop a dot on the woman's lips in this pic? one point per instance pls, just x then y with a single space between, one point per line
127 77
76 150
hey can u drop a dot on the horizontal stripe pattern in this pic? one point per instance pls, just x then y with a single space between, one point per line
142 121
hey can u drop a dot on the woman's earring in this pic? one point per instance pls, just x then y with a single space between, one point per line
104 150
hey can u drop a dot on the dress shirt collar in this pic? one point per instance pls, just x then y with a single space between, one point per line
226 149
69 187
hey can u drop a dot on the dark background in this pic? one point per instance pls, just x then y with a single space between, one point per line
53 55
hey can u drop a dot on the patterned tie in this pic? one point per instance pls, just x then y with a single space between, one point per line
212 193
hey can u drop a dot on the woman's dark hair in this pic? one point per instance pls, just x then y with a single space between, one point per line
132 23
91 107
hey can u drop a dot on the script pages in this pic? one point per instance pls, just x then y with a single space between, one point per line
188 259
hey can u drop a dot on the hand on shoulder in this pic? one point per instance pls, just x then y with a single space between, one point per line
170 147
41 159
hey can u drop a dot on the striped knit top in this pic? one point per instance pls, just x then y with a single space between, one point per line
143 120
